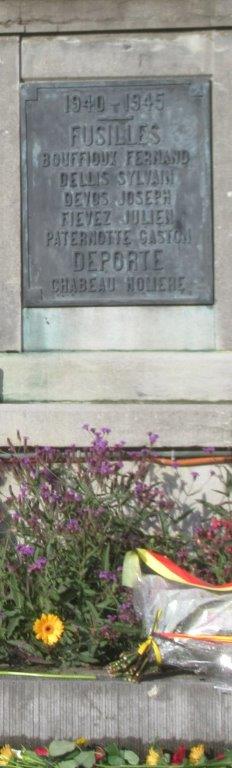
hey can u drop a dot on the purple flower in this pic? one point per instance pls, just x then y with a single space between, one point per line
100 444
45 491
153 437
25 549
26 462
208 449
107 576
72 525
38 564
118 465
194 475
140 487
71 495
48 494
126 612
23 492
15 516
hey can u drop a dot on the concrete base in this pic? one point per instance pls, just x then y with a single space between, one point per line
168 710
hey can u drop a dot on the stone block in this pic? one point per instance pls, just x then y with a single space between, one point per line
117 376
61 424
10 259
120 55
119 328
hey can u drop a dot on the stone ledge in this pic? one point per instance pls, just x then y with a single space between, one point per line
112 377
61 423
99 15
182 708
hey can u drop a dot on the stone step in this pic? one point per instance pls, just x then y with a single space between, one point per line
184 709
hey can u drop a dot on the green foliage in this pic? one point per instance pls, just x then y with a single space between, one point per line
59 748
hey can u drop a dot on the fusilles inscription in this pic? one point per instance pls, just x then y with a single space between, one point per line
117 192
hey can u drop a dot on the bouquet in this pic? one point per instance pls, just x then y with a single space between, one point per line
187 622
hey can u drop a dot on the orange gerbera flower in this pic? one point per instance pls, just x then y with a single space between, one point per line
48 628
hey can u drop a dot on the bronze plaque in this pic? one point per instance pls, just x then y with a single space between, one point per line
116 179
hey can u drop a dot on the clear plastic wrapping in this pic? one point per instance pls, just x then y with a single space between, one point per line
190 614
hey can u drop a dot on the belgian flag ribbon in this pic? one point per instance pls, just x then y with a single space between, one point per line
166 568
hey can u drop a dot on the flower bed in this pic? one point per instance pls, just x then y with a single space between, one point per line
67 527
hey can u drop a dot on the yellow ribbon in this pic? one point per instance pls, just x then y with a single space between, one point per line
150 643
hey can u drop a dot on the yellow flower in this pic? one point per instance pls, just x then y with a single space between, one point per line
81 742
6 754
153 757
196 753
48 628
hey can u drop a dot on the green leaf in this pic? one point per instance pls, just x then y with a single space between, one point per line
86 759
130 757
57 748
12 624
106 559
112 749
67 764
116 760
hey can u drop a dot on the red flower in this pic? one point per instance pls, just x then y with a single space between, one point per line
179 755
41 751
99 754
220 756
215 523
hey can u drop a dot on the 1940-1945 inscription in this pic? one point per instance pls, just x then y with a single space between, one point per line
117 192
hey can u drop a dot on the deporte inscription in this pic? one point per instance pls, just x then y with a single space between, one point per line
117 192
